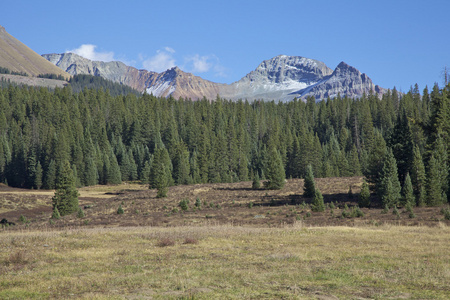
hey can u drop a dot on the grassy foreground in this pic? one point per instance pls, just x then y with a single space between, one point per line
216 262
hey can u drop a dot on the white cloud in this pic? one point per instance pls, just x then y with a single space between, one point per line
88 51
160 62
170 50
200 64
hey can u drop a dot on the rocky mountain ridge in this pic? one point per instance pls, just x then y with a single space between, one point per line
280 78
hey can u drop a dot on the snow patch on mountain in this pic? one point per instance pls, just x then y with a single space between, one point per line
161 89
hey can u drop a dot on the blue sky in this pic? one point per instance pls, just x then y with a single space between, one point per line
396 43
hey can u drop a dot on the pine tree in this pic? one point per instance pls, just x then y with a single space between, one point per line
275 170
389 187
113 175
38 176
407 192
433 188
50 177
66 195
55 214
418 178
317 203
256 184
364 196
309 189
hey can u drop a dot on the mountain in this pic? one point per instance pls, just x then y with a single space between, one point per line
280 78
115 71
17 57
345 80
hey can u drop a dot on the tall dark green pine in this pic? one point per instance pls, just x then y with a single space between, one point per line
407 192
66 194
401 144
50 176
433 188
309 188
160 161
388 186
317 204
418 178
113 175
274 170
38 177
162 181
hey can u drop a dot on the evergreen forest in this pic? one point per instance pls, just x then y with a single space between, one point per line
399 141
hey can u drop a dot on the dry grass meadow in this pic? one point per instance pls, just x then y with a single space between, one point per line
273 248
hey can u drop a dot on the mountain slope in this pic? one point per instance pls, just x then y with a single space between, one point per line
17 57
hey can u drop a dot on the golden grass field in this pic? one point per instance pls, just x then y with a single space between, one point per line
276 249
227 262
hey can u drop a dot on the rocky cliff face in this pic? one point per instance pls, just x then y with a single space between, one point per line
280 78
346 81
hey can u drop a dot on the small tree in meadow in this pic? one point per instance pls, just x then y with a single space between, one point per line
309 188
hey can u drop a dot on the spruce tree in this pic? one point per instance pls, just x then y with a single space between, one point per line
389 187
162 181
317 203
407 192
113 175
275 170
433 188
66 194
309 188
38 177
418 178
256 184
50 177
364 196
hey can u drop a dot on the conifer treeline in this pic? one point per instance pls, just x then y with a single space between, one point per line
109 139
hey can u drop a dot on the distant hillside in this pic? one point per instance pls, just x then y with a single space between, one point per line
80 82
17 57
7 79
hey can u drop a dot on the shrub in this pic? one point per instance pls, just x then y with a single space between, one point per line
23 219
345 214
357 212
184 204
120 210
55 214
250 204
446 213
190 241
256 184
165 242
80 213
198 203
